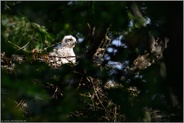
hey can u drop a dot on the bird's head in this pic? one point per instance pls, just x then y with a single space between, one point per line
69 41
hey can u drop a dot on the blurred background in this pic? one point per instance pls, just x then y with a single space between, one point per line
32 91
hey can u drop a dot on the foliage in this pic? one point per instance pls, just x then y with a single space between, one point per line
121 69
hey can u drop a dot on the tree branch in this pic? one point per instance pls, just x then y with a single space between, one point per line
95 39
137 14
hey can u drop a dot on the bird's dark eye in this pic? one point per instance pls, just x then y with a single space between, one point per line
68 40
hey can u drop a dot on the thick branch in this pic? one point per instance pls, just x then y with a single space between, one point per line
137 14
95 39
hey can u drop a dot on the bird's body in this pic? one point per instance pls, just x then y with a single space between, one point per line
65 53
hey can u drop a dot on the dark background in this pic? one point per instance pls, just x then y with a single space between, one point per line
62 18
